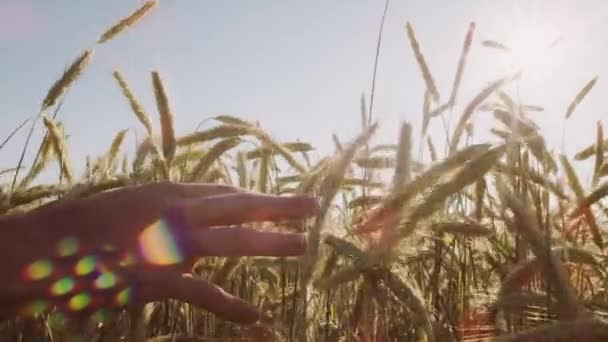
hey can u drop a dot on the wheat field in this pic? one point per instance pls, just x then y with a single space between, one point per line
494 241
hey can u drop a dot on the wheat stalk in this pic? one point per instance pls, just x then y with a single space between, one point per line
125 23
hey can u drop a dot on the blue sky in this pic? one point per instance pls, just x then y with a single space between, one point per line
297 67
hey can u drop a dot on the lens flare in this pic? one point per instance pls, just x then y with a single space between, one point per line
62 286
123 297
79 301
67 246
38 270
85 265
158 246
105 281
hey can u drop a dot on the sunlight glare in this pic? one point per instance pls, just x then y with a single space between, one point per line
532 49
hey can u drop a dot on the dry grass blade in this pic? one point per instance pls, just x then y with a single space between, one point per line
524 271
534 177
125 23
231 120
432 150
341 276
426 74
223 131
10 136
46 154
590 151
137 108
532 108
166 117
495 45
330 186
241 170
480 189
225 271
345 248
569 306
112 155
291 146
599 153
600 192
439 110
603 170
580 96
311 178
411 297
517 125
68 78
466 175
376 162
364 201
211 156
351 182
280 149
399 198
467 229
263 170
144 149
402 170
426 108
58 142
461 63
337 143
364 114
572 178
468 112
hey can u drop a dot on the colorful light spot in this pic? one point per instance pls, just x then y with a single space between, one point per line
79 301
34 307
123 297
38 270
85 265
105 281
158 246
62 286
67 246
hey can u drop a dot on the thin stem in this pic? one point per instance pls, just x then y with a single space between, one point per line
371 100
10 136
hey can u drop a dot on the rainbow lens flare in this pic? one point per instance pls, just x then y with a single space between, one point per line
123 297
85 265
67 246
105 281
79 301
62 286
158 246
38 270
35 307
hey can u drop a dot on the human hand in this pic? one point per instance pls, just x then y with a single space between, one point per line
136 245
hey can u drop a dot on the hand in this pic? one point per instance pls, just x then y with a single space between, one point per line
136 245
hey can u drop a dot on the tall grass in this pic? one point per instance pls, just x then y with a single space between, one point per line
483 243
